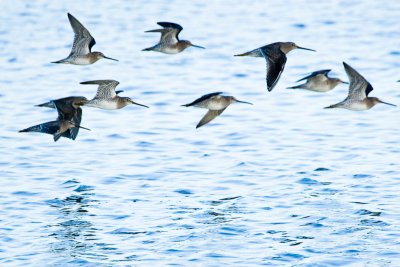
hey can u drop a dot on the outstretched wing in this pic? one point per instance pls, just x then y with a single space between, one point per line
210 115
64 108
106 88
359 87
201 99
83 41
72 133
169 32
172 30
276 61
315 73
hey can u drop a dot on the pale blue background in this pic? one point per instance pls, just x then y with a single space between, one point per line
280 183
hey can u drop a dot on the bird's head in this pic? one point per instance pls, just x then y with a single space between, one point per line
286 47
128 101
375 100
186 44
98 55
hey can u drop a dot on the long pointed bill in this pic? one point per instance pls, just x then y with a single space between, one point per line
82 127
111 58
380 101
139 104
344 82
299 47
238 101
198 46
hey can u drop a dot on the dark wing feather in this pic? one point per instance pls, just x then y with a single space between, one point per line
204 97
170 32
276 61
170 25
210 115
65 109
368 89
72 133
315 73
91 44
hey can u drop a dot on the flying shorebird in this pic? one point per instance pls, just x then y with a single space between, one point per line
359 89
70 107
68 120
318 81
275 55
215 103
107 98
169 42
81 53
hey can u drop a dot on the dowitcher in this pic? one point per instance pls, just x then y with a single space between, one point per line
215 103
68 120
107 98
318 81
359 89
169 42
81 53
275 56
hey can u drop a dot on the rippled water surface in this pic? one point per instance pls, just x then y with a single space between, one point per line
280 183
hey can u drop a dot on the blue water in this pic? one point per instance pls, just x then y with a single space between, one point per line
280 183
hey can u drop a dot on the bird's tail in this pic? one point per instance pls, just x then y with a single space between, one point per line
252 53
47 105
294 87
244 54
60 61
36 128
333 106
156 30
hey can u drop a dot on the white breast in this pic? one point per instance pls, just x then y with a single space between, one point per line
358 106
168 50
318 86
216 105
102 104
81 61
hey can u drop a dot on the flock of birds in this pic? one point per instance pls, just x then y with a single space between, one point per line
69 109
